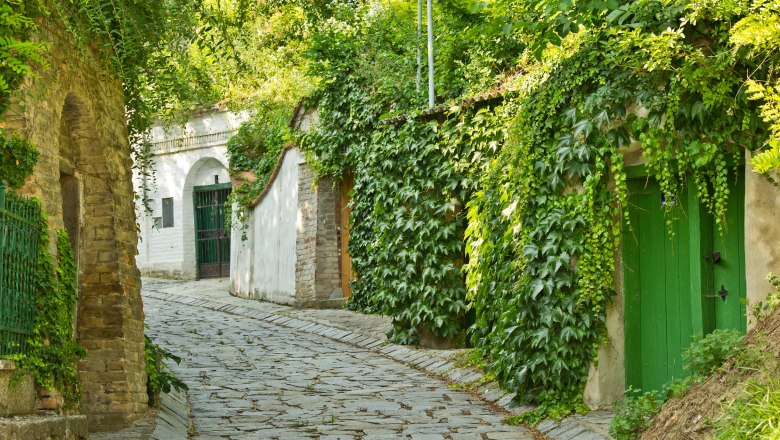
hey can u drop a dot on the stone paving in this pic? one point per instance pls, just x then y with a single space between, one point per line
250 378
321 399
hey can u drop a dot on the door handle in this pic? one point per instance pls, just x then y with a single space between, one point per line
722 293
714 258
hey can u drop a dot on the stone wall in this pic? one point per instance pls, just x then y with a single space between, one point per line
74 114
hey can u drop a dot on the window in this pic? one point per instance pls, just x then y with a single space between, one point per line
167 212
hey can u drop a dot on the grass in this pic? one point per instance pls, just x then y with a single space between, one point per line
755 414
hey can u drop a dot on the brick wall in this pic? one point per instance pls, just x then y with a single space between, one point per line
328 277
306 241
317 249
81 107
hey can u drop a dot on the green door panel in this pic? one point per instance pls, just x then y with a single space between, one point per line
671 279
657 272
729 272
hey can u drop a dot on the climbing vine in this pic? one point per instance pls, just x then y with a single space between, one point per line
253 153
17 159
53 350
557 215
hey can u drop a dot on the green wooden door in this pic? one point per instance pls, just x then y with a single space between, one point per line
657 274
726 296
673 270
212 239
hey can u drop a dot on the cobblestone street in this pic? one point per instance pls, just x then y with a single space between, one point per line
250 378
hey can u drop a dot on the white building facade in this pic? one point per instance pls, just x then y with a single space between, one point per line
180 236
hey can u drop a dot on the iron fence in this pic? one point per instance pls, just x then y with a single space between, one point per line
19 235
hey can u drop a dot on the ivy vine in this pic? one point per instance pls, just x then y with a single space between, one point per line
53 350
408 245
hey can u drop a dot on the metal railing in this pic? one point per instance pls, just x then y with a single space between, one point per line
19 235
183 143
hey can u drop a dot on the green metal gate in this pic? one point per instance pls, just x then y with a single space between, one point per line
681 277
19 235
212 239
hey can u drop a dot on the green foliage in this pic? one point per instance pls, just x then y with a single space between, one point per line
254 139
17 53
17 159
408 245
555 408
536 319
755 414
255 148
542 178
758 33
634 414
140 43
545 226
53 352
704 356
707 353
158 377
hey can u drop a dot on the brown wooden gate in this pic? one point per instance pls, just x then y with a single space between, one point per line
347 183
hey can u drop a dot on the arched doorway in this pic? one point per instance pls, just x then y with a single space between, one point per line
205 240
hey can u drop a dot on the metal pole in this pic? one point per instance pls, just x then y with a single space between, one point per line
431 92
419 42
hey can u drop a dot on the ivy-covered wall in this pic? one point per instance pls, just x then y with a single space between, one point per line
505 222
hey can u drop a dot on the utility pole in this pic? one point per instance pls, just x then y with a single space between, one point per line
431 92
419 42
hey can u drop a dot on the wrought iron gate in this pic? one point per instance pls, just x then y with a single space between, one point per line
19 234
212 239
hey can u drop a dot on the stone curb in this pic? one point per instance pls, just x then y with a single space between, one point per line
171 421
573 427
174 419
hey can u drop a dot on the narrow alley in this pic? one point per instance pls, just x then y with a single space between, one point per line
251 378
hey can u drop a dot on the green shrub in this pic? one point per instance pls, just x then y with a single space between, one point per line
634 414
158 377
709 352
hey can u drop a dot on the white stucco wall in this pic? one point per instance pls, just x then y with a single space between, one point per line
186 156
263 265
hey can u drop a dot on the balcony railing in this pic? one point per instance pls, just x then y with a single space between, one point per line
191 142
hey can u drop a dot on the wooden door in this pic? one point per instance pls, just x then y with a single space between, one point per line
657 279
673 271
727 260
347 184
212 239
